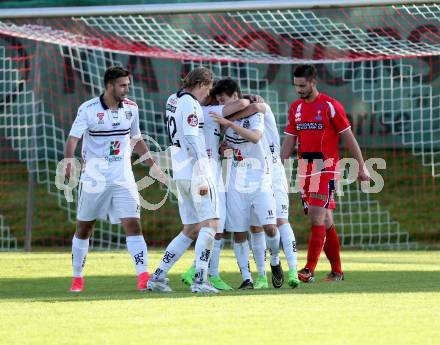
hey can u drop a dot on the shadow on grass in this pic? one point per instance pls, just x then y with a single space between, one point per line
123 287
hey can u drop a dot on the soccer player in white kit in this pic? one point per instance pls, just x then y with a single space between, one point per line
196 190
249 189
109 127
280 189
212 140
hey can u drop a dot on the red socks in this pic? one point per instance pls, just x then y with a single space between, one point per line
316 242
332 249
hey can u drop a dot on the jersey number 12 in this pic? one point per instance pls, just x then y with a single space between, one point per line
172 130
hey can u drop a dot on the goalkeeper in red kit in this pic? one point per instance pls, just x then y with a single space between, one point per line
316 122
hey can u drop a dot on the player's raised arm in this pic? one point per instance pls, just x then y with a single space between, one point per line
253 136
248 111
236 106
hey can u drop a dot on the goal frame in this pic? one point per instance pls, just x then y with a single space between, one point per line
195 7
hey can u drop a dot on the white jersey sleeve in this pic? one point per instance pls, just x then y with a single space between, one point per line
135 131
80 125
256 122
191 118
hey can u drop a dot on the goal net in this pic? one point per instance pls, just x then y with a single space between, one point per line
381 62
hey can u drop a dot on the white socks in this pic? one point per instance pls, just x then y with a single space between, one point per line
289 245
203 249
259 250
241 251
173 252
273 244
215 258
138 250
80 249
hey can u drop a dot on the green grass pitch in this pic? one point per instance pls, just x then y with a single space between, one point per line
387 298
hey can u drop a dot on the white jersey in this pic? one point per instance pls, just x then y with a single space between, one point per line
106 150
250 161
212 131
212 140
184 117
271 134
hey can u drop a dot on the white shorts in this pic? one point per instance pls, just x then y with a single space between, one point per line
194 208
281 191
240 207
114 201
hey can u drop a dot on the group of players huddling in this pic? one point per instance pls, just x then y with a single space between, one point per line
250 202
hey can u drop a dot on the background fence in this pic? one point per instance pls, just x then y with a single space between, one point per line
381 62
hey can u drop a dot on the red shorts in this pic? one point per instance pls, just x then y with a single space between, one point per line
319 191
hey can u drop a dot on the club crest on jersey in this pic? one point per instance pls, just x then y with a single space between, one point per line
193 120
318 117
246 124
100 117
128 115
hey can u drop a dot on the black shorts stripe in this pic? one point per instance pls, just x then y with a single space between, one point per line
331 189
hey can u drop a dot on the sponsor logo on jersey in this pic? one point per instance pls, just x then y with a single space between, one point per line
193 120
309 126
246 124
100 117
237 155
116 124
115 148
128 115
171 108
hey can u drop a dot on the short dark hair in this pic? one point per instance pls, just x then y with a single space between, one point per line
227 86
114 72
305 71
